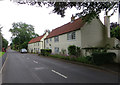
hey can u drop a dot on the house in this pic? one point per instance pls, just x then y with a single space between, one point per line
36 44
83 35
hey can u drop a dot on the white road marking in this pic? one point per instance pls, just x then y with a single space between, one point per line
39 68
59 73
35 61
3 65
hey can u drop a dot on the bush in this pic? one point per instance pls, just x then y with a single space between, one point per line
60 56
46 52
103 58
72 50
78 59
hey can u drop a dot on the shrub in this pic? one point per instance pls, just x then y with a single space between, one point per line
46 52
60 56
103 58
78 51
72 50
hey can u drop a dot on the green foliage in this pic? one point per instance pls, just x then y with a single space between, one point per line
22 33
78 51
115 32
2 53
74 51
46 52
103 58
87 60
4 43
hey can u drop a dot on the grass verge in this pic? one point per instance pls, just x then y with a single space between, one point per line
1 53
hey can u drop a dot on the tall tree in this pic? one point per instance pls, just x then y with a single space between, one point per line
115 30
92 9
4 43
22 33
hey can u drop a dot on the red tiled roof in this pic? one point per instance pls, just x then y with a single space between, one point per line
37 39
77 24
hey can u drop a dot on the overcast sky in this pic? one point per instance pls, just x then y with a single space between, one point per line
40 17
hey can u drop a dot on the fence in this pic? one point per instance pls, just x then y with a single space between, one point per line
117 52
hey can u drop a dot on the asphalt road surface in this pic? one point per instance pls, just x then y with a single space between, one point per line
30 68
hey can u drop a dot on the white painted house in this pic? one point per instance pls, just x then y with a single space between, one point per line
36 44
76 32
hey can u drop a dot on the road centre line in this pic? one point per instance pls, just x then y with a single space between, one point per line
35 61
59 73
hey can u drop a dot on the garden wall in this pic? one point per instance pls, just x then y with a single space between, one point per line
117 59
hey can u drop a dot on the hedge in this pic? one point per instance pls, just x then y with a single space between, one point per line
103 58
46 52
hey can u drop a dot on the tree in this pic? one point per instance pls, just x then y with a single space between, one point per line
115 30
4 43
22 33
92 9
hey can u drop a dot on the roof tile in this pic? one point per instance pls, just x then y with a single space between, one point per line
37 39
71 26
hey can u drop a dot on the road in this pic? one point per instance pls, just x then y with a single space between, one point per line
30 68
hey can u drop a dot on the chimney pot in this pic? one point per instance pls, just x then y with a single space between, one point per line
72 18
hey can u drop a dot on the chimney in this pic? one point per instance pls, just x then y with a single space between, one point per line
107 25
72 18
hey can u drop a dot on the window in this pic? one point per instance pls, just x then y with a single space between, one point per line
56 50
71 36
56 39
46 40
38 43
50 39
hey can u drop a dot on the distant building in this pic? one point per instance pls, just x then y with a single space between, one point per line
83 35
36 44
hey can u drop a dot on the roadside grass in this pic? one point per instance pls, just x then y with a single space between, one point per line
1 53
82 59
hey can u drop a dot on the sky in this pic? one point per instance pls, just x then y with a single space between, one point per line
41 18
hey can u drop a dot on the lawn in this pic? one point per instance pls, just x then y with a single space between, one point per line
1 53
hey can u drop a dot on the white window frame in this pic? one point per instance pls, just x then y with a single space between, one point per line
56 39
46 40
56 49
71 35
50 39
